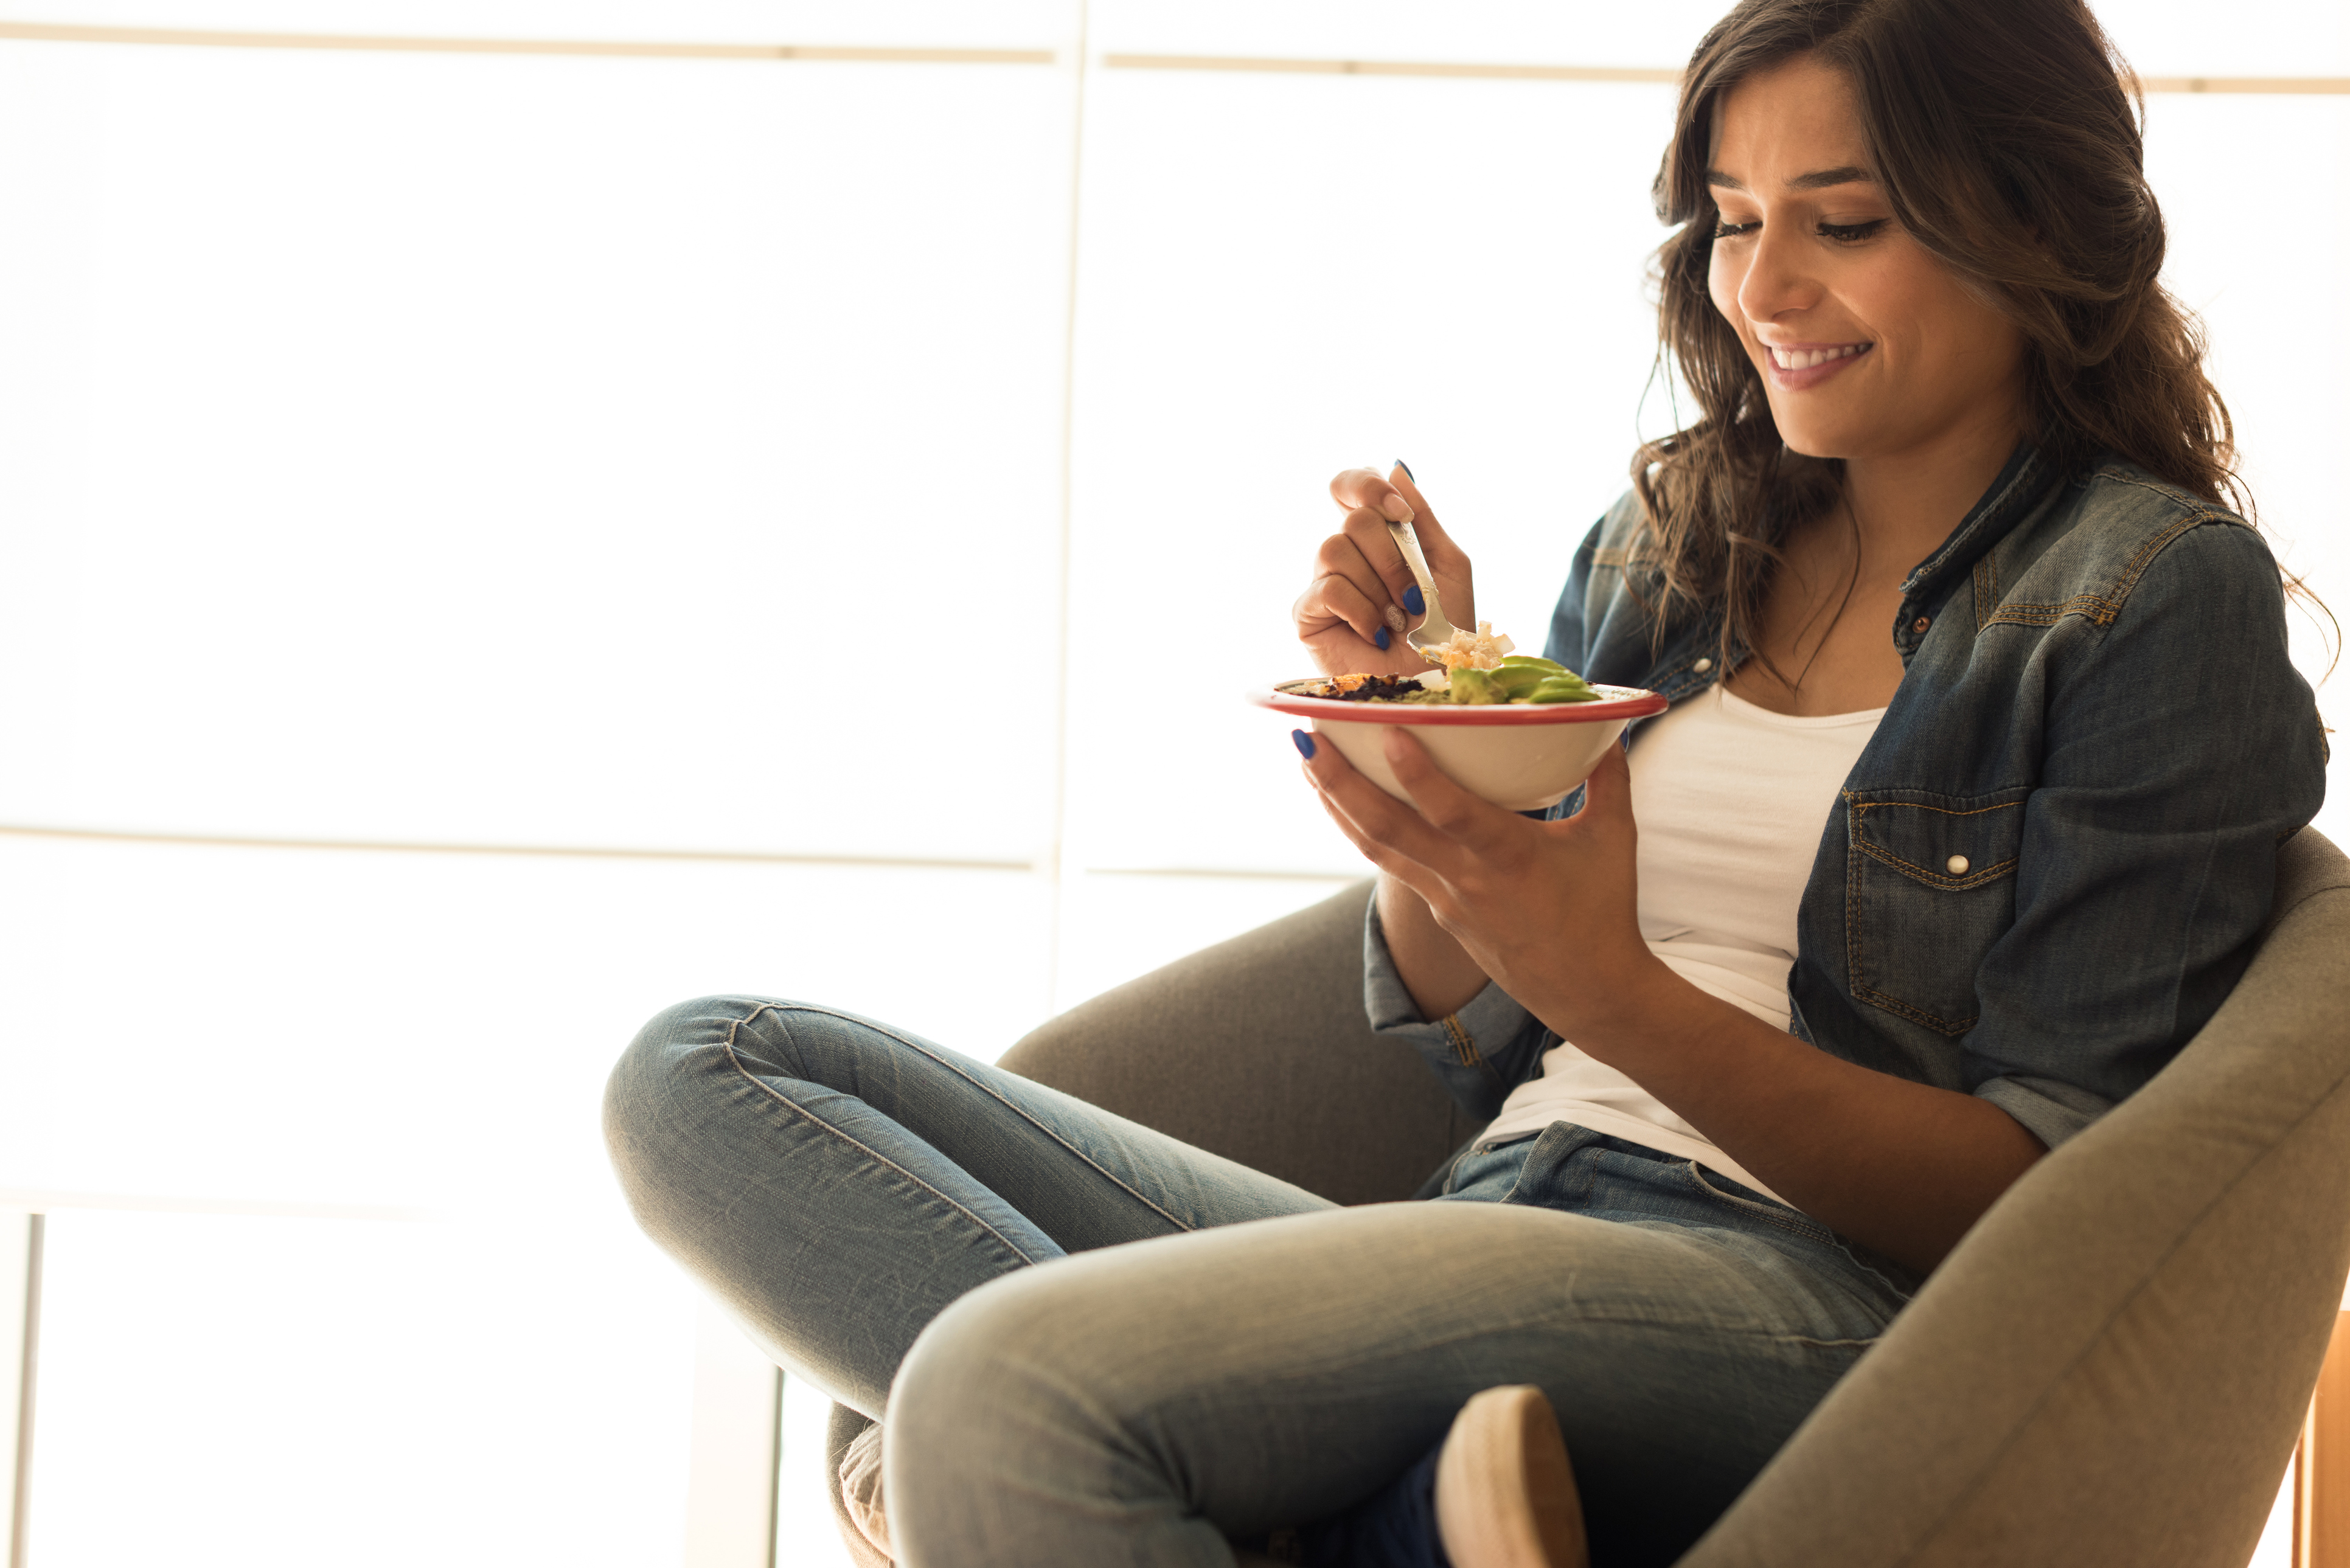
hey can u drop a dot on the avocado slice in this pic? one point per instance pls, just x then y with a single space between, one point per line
1562 689
1476 685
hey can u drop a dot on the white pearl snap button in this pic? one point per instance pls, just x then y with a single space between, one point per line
1702 665
1957 864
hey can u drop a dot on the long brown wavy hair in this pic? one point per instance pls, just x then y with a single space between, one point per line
2005 136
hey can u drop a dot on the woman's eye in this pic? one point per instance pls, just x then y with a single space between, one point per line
1842 234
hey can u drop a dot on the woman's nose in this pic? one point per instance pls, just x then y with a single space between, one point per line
1777 277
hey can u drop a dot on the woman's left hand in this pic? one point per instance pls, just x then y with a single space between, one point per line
1549 910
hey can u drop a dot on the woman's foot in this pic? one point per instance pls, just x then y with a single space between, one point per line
1505 1494
860 1489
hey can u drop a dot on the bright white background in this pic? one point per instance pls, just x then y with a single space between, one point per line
721 457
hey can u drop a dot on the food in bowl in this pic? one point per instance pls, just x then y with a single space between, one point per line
1519 754
1514 678
1479 649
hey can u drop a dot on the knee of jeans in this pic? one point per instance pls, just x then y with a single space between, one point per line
995 1395
653 1099
1014 1386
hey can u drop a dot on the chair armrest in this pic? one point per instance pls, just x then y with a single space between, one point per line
2114 1363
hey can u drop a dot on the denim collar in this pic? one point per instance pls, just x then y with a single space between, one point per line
2019 485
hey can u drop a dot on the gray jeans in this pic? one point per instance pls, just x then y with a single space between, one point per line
1210 1353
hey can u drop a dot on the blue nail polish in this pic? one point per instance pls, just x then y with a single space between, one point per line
1305 744
1381 639
1412 600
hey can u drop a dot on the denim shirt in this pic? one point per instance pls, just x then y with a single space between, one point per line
2054 859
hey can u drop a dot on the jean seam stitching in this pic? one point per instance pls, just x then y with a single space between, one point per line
1464 1046
867 1150
1935 879
1857 848
999 1098
1708 1328
1806 1228
2102 609
1914 1014
1518 1181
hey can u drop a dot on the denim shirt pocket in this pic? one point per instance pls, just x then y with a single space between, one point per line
1929 887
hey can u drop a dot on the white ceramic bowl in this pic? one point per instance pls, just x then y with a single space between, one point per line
1521 756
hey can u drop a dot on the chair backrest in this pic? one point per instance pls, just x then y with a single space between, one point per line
2112 1366
1257 1049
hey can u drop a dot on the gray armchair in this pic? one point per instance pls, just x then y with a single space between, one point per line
2111 1367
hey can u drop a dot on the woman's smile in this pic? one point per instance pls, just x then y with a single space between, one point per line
1798 367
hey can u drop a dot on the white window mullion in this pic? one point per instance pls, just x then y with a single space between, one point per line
20 1338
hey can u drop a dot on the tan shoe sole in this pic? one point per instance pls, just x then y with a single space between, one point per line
1505 1494
860 1490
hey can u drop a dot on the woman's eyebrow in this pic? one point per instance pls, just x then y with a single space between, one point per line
1850 174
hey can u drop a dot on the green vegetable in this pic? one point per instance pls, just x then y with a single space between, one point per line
1516 679
1528 660
1476 685
1562 689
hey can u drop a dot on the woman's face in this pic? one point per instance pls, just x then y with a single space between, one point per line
1868 346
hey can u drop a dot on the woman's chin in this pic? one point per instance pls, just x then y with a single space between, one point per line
1815 444
1808 435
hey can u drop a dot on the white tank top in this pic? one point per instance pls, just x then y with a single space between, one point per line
1731 800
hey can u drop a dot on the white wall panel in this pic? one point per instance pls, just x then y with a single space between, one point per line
1520 32
543 451
307 1026
2258 38
982 24
230 1392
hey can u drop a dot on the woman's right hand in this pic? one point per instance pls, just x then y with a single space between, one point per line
1360 576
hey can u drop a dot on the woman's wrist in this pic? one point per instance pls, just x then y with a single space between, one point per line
1433 966
1629 1001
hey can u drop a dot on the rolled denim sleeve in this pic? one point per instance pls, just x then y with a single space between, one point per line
1481 1053
2180 753
2050 1109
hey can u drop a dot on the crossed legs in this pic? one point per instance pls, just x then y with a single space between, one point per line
1094 1344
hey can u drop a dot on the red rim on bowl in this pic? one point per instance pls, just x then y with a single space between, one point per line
1615 703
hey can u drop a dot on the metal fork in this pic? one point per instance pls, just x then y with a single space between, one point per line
1435 631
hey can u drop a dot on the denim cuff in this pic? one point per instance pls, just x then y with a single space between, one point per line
2049 1110
1492 1015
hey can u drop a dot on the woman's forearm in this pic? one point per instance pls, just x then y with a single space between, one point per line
1900 1166
1435 970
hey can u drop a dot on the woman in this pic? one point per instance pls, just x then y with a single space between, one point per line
1853 934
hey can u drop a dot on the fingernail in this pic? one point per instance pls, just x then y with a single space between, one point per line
1395 508
1395 617
1305 744
1381 640
1412 600
1406 471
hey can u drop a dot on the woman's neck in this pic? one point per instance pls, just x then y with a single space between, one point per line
1823 629
1908 502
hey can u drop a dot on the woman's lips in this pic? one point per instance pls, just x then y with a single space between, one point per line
1799 366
